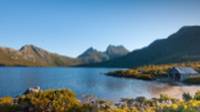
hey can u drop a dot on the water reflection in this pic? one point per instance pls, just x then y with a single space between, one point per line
115 84
172 90
84 81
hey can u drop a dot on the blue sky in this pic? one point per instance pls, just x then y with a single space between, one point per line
71 26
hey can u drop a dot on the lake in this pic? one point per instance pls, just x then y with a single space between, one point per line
83 81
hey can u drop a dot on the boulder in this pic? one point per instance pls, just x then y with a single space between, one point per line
33 90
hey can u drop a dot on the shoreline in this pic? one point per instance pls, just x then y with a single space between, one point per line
62 100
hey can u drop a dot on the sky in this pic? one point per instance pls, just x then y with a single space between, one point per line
69 27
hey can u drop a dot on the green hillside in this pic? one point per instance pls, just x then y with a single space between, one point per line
182 46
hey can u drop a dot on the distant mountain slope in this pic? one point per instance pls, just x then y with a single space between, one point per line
92 55
12 57
183 45
30 55
116 51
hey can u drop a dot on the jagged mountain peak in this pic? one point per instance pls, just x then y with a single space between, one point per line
116 47
91 49
116 51
181 46
30 47
88 52
30 55
92 55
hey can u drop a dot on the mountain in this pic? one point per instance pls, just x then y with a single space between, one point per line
184 45
116 51
92 55
30 55
10 56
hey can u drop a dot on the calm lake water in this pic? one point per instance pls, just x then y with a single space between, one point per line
84 81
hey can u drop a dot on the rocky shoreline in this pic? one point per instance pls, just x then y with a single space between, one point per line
158 73
64 100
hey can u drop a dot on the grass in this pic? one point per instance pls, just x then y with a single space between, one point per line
152 72
193 80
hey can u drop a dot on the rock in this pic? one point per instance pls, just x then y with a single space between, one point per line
33 90
89 99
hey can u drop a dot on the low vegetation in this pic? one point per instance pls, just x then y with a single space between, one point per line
193 80
66 101
44 101
152 72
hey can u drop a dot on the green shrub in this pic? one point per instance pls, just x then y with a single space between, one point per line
50 100
197 95
187 97
6 100
7 104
